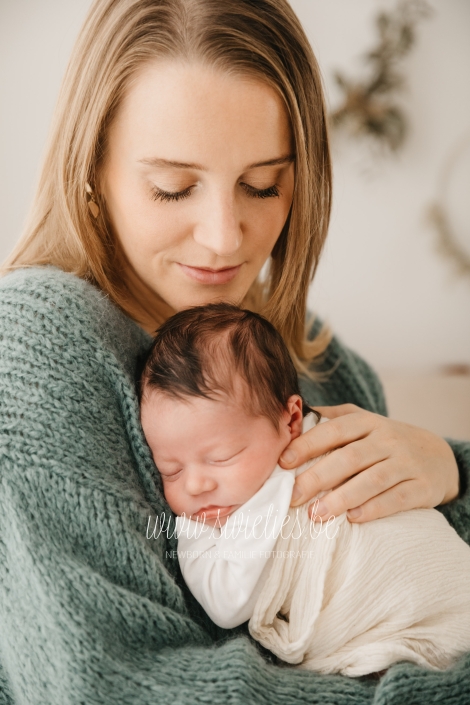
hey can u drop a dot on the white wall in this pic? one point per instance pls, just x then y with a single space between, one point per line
36 38
381 284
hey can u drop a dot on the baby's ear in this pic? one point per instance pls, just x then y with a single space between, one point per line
294 407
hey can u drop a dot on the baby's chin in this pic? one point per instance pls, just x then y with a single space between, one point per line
217 522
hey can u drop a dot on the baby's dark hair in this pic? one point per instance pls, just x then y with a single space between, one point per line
199 352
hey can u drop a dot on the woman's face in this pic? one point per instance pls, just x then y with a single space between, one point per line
198 181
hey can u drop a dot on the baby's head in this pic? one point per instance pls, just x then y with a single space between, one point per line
220 401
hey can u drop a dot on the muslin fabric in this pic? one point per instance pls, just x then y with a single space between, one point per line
336 597
355 598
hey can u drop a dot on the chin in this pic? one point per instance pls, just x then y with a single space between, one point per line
217 522
213 297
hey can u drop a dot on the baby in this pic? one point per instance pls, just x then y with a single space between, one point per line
220 401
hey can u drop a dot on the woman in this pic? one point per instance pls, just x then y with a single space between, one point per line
189 148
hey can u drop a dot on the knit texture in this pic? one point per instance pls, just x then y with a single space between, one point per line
91 611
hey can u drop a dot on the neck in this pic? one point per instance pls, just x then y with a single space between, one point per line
146 307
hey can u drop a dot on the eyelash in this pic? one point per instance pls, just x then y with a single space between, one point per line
270 192
159 195
170 477
175 474
168 196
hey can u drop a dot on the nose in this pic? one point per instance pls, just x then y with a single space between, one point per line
199 481
219 227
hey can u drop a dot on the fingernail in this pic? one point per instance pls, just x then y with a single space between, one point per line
321 509
355 513
296 493
289 456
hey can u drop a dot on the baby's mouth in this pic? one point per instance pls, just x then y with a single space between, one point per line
213 511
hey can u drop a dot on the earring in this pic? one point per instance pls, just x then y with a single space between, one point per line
92 204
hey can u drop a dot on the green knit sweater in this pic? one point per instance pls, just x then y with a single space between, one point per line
91 611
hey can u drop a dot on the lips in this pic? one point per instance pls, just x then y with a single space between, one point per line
206 275
213 511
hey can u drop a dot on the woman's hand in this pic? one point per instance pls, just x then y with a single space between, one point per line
386 466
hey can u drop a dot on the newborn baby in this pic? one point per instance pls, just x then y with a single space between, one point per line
220 401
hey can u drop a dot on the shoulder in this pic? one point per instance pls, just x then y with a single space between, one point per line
46 303
48 290
343 377
67 379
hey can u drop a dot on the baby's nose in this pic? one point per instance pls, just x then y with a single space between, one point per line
199 482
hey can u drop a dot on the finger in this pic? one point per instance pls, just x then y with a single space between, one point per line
366 488
325 437
332 412
402 497
359 489
341 465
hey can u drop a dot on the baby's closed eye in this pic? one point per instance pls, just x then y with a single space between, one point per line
226 458
169 474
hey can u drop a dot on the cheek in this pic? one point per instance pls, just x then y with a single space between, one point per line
143 227
251 476
265 223
173 496
262 231
147 232
262 462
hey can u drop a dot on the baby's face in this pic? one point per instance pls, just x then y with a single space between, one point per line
212 455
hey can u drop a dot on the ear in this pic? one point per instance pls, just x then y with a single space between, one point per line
294 411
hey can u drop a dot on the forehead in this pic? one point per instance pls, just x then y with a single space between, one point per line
228 390
157 403
187 109
170 423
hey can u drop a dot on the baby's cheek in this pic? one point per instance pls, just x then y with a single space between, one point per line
175 498
249 478
168 492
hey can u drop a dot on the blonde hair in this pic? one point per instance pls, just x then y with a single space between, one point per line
261 38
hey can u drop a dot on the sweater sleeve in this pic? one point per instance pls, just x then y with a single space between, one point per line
343 377
364 373
457 512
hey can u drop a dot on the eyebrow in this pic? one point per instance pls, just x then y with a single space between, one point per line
157 162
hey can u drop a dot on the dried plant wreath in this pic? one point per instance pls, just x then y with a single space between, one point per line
369 107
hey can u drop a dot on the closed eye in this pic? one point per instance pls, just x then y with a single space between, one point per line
270 192
170 475
231 457
159 194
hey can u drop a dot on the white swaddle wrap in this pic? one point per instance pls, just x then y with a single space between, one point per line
392 589
349 598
